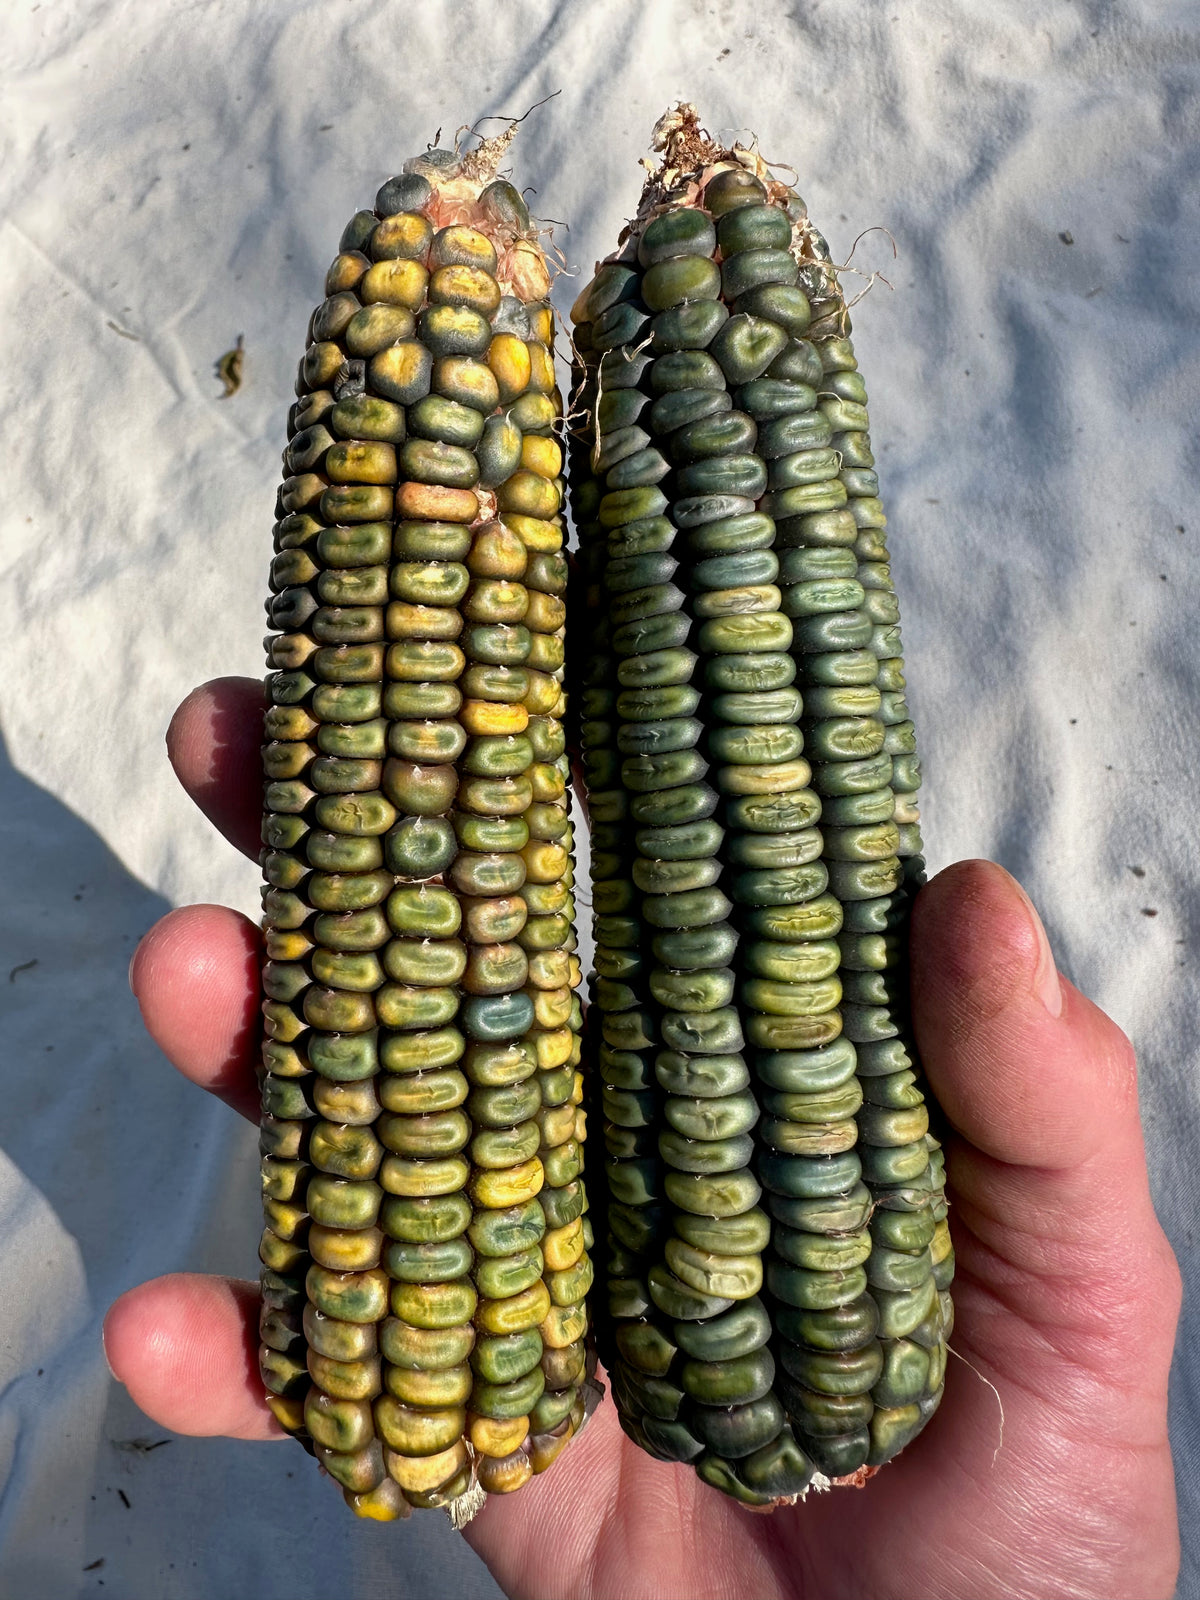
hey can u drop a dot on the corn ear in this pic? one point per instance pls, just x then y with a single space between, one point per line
425 1256
776 1254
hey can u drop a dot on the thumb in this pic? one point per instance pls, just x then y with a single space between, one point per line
1052 1218
1022 1064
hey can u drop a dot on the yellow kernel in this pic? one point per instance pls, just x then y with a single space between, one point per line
427 1472
345 1249
468 381
405 620
510 1186
345 271
415 1432
545 861
551 1007
541 363
399 368
545 1448
384 1503
562 1247
289 1412
495 600
289 722
563 1325
529 495
552 1047
450 1386
497 552
493 717
542 695
282 945
286 1220
762 778
434 1305
548 782
494 1437
416 1178
406 234
461 243
398 283
508 357
547 652
549 969
465 286
541 535
504 1474
353 462
557 1124
280 1255
541 320
545 613
543 456
320 364
517 1313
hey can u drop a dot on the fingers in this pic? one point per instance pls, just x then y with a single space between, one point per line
196 978
213 743
1023 1065
186 1348
1051 1211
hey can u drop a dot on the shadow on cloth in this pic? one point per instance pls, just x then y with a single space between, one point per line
112 1170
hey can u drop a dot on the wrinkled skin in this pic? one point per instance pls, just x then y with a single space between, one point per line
1067 1292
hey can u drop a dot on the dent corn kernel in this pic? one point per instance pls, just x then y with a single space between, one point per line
425 1262
776 1257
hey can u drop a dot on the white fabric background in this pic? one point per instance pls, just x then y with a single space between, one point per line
173 174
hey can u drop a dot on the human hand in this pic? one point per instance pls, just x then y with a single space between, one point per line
1066 1291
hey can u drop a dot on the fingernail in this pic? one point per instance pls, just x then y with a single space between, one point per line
104 1349
1046 986
132 964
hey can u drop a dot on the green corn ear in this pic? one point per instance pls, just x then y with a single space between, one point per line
425 1257
777 1255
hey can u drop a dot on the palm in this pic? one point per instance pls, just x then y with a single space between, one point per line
1071 1497
1066 1294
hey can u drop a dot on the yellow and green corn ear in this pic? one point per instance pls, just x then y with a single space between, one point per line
425 1259
776 1249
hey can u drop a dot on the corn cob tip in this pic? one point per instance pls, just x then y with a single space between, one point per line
478 165
689 159
683 144
688 156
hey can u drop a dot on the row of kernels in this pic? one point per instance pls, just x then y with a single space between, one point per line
643 578
814 1095
631 1159
631 1098
719 1256
876 1405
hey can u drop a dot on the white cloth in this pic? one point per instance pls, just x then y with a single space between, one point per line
173 176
